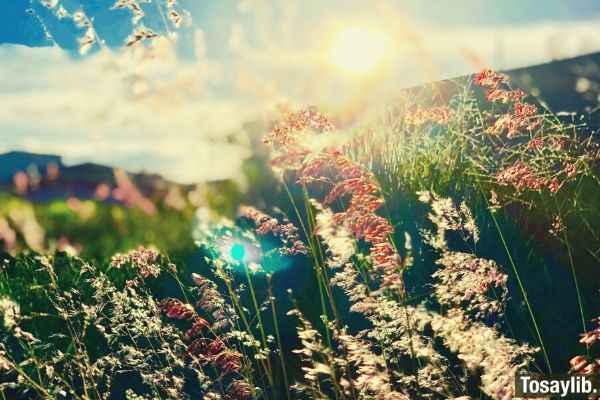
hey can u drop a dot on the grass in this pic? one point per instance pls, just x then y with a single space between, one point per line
430 254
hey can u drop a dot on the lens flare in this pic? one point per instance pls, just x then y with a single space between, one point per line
237 252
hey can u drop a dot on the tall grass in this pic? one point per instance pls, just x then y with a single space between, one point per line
404 295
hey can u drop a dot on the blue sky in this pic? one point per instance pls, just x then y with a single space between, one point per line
175 105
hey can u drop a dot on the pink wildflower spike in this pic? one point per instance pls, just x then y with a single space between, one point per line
176 309
285 231
422 115
489 78
240 390
535 144
198 325
553 185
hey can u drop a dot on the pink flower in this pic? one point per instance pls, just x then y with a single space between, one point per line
535 144
571 170
198 325
128 193
285 231
422 115
102 192
553 185
521 176
177 309
489 78
21 182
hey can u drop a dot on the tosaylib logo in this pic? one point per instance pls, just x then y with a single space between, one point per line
542 385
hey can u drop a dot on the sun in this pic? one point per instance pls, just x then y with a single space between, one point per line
358 50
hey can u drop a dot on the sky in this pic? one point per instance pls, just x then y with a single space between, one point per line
176 104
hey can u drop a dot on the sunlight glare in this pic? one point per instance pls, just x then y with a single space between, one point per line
358 50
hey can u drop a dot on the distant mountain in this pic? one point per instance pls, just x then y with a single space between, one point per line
15 161
570 85
79 180
565 86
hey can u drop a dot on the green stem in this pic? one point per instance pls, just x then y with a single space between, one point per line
278 338
522 288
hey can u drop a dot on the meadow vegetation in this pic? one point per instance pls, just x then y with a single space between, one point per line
431 252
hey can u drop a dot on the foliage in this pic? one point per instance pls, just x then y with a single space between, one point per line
404 298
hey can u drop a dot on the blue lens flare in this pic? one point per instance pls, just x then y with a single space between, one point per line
237 252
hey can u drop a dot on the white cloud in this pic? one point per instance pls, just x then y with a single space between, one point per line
140 110
148 109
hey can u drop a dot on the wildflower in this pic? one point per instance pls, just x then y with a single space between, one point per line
523 116
216 352
7 235
5 363
132 5
175 198
198 324
559 143
285 231
494 202
128 193
578 363
229 361
513 123
535 144
206 347
521 176
591 337
340 244
175 18
211 301
505 96
370 375
285 131
489 78
139 35
87 41
10 312
467 281
571 170
21 183
557 226
144 259
132 283
102 192
284 137
359 217
479 346
553 185
422 115
524 110
240 390
177 309
583 364
446 217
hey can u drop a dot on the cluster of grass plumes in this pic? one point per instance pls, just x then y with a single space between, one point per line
499 143
529 173
142 327
407 351
75 331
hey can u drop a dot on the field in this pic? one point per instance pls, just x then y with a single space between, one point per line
430 252
296 200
